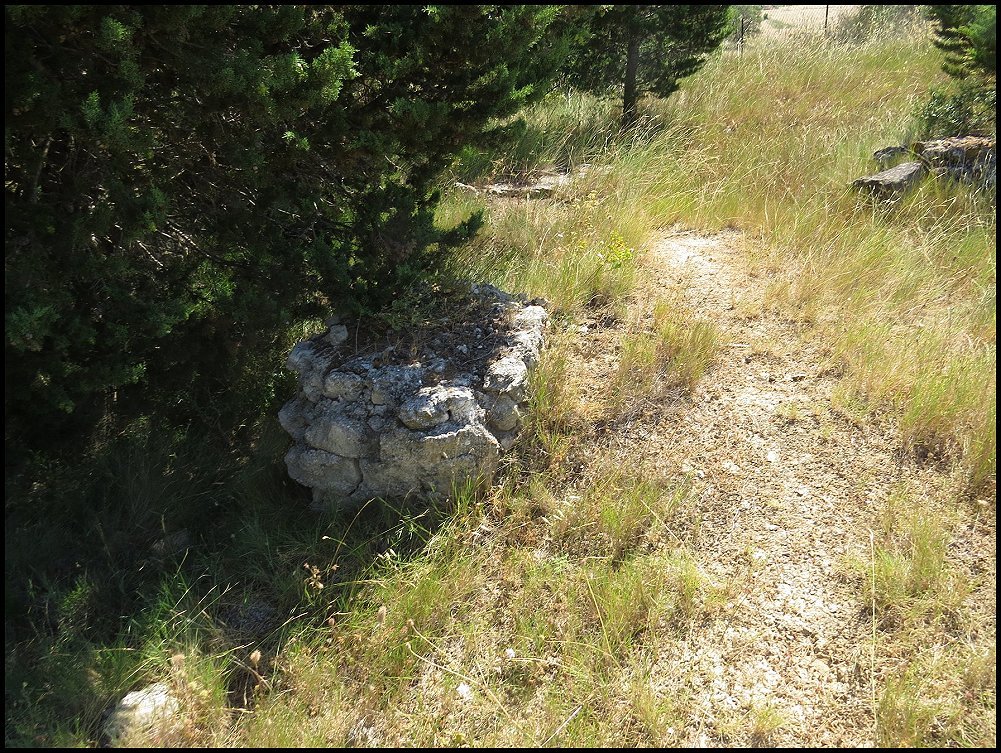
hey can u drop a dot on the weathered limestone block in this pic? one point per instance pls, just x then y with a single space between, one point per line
412 420
323 470
338 385
460 452
504 414
340 435
337 334
972 159
307 359
292 417
541 187
426 409
508 376
390 385
529 324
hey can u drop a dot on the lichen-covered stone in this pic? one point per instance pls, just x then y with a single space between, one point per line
893 182
340 435
337 334
392 384
308 358
292 417
509 376
392 425
428 408
319 469
971 159
529 325
338 385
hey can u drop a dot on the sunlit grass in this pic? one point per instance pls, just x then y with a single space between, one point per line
938 682
905 294
673 348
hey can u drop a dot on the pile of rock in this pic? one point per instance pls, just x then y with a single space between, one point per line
541 186
893 182
969 159
394 421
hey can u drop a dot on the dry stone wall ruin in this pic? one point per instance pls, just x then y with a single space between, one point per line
415 419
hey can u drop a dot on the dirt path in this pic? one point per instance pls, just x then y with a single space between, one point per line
786 490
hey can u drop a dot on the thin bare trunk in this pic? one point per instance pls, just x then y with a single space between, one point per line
630 93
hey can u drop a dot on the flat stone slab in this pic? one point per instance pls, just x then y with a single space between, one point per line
542 186
892 182
151 711
971 159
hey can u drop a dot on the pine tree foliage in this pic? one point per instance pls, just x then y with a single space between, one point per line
183 182
639 49
967 34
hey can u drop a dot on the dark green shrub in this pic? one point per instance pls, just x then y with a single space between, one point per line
967 36
960 108
183 183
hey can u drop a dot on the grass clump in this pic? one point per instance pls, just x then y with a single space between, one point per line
911 579
562 131
674 349
615 512
940 697
934 639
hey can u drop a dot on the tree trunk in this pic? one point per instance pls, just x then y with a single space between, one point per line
630 93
